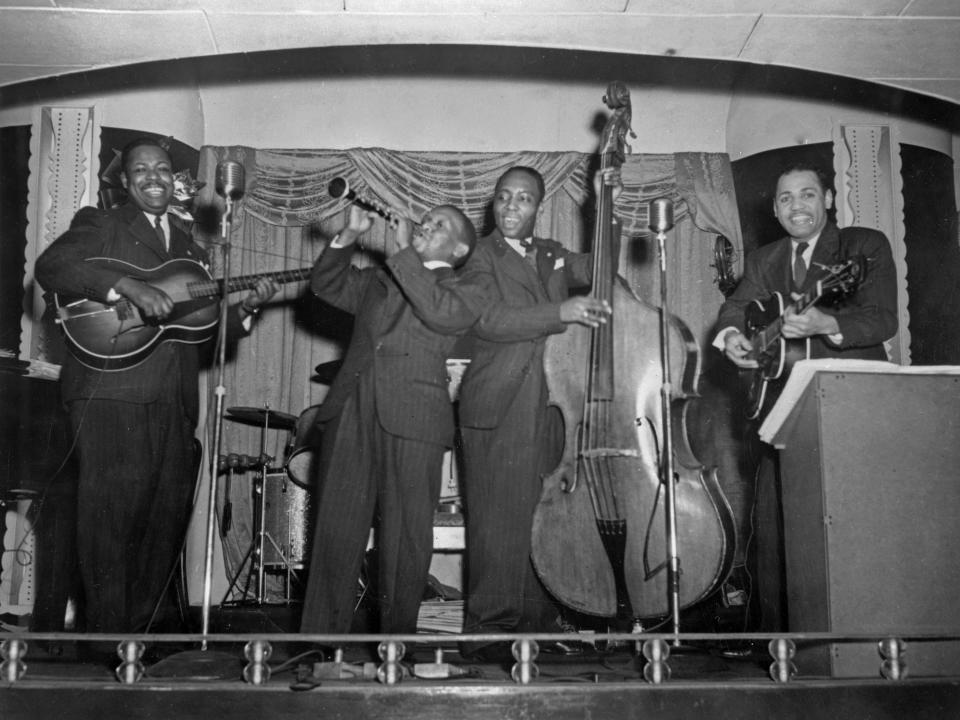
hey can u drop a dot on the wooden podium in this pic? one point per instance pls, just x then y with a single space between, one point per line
870 472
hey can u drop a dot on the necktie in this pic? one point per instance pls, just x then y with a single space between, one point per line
160 233
529 251
799 266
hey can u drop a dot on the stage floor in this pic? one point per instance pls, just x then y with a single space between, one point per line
70 677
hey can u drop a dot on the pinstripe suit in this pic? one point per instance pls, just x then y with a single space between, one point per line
506 433
135 428
387 422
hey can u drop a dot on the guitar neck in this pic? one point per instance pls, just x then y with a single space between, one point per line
770 335
806 300
245 282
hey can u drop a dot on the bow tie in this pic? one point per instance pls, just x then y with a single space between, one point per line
526 244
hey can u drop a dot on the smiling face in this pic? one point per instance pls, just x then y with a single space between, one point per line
516 204
801 204
148 179
444 234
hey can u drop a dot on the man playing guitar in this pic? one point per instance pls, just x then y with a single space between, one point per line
789 273
795 264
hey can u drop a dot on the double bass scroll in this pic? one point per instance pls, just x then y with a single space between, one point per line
599 531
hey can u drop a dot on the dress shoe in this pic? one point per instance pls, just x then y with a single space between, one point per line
570 645
562 647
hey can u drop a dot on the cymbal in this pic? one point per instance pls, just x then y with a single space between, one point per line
262 416
326 372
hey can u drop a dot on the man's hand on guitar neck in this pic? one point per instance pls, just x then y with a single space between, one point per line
264 289
812 321
152 301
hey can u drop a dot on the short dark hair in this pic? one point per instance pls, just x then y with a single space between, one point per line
537 177
803 166
140 142
468 235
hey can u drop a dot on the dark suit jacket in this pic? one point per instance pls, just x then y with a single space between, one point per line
402 342
520 309
866 319
122 233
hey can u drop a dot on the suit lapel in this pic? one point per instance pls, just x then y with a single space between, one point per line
825 253
141 229
546 259
781 267
517 267
181 245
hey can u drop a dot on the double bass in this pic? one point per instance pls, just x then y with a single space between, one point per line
600 541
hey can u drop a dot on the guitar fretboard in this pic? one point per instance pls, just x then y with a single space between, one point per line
208 288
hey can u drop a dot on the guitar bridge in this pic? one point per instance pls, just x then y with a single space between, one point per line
125 311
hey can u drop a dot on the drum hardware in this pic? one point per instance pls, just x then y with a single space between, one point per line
264 417
326 371
267 419
229 464
236 461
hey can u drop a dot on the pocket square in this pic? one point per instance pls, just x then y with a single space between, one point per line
558 263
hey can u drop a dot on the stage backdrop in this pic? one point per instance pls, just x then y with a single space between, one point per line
287 216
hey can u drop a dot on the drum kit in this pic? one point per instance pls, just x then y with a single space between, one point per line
281 510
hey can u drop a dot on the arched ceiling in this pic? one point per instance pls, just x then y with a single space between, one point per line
908 44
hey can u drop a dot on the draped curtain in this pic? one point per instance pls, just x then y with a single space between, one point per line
287 215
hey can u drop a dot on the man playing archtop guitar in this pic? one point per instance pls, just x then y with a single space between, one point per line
795 274
818 292
133 422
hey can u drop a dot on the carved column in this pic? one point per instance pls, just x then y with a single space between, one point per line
64 145
870 194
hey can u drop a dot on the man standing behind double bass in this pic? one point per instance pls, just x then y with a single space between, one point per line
503 407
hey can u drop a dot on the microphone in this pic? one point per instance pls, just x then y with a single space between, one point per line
661 215
340 190
230 180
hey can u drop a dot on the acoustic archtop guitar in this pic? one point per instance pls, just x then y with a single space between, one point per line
775 354
115 336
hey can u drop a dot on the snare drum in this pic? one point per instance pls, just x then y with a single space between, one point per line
302 461
287 521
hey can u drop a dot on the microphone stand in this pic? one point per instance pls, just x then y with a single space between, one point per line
666 397
213 665
220 391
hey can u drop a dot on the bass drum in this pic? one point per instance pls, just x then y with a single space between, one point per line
302 460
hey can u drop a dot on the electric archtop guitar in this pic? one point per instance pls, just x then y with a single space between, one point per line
115 336
775 354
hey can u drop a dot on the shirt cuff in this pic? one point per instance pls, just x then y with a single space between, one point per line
719 342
